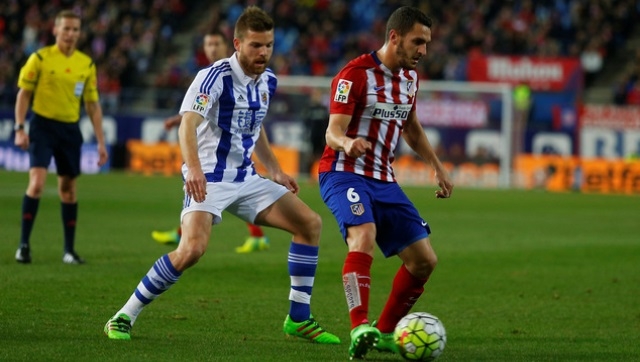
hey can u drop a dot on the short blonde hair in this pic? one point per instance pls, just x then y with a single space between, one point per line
66 14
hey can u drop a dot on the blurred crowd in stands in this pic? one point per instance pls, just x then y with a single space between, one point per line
627 90
132 40
122 36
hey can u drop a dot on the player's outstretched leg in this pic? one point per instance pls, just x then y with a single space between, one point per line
363 338
303 261
158 279
309 329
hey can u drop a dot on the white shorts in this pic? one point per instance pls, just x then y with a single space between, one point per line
242 199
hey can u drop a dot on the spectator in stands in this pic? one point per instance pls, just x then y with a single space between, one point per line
121 33
328 33
633 94
109 87
625 90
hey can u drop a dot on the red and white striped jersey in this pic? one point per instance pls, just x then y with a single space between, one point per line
379 102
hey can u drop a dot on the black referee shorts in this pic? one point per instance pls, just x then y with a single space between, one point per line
60 140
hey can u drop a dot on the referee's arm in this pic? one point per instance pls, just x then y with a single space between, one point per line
23 101
94 110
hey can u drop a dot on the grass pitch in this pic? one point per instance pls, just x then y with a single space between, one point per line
522 276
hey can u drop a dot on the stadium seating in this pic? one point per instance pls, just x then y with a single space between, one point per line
130 41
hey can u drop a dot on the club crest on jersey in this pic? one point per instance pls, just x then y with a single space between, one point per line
410 90
357 209
342 91
265 98
200 102
391 111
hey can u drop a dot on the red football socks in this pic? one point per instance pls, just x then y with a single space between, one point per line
255 230
356 278
404 294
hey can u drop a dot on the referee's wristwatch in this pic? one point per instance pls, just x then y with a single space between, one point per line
18 127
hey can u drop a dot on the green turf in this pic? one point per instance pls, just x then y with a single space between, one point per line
522 276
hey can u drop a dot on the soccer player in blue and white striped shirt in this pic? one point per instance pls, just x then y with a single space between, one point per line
222 115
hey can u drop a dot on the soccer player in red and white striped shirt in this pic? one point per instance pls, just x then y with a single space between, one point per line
372 105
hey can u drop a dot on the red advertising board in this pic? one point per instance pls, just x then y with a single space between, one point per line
541 74
611 117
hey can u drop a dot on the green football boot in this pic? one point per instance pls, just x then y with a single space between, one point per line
309 329
252 244
363 337
118 327
386 343
166 237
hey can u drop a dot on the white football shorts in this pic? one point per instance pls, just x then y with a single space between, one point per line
242 199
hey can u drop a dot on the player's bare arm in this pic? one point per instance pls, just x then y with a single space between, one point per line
23 101
94 110
337 140
270 162
195 183
415 137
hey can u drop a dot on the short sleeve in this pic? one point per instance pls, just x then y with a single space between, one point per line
30 72
90 93
196 99
347 91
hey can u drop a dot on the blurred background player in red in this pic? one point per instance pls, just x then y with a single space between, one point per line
215 47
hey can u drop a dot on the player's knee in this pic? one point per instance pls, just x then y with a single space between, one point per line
315 227
67 189
194 254
432 262
362 238
67 195
424 267
312 228
35 188
188 256
35 192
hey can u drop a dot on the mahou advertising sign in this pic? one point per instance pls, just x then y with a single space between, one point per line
541 74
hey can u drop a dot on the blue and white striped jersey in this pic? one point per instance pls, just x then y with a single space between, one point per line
233 106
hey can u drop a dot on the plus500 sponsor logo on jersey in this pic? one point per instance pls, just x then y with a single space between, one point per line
391 111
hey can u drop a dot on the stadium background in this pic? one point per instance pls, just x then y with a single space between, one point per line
522 275
572 66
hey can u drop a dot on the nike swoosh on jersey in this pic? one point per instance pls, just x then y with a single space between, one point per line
379 88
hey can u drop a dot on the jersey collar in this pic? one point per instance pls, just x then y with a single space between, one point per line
375 57
237 70
56 49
